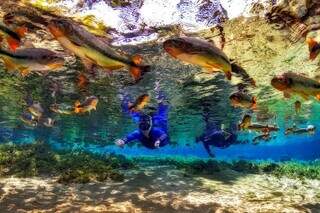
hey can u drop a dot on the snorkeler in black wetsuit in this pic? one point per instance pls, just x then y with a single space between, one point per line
217 138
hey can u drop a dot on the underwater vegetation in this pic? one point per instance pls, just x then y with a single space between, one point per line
37 159
290 169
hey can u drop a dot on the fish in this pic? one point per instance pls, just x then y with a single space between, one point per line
92 50
246 124
297 106
140 103
32 59
29 119
295 130
292 83
199 52
62 109
13 37
88 105
36 110
243 100
314 48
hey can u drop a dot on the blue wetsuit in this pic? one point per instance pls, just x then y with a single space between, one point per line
159 130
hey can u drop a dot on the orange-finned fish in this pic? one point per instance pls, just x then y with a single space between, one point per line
93 50
13 37
140 103
87 106
244 100
314 48
31 59
199 52
297 106
292 83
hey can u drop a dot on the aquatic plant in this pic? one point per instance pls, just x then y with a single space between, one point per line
38 159
291 169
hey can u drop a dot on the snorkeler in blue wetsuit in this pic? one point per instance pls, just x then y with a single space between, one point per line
153 130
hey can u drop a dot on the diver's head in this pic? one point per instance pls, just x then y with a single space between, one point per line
145 123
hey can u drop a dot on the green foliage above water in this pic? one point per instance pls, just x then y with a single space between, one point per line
38 159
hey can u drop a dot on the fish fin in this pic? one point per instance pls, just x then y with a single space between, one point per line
87 64
286 95
228 75
138 71
137 59
318 96
55 31
77 108
13 43
55 66
21 31
254 101
24 71
9 64
312 43
1 39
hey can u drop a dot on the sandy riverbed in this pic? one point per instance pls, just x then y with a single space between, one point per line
163 189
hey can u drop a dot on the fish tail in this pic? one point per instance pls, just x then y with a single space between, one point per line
77 108
228 74
13 43
313 47
254 102
138 71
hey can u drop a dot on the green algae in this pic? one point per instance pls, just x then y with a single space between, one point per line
38 159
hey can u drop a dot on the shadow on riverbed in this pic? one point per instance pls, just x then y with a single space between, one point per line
157 189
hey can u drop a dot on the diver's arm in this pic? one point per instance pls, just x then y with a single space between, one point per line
132 136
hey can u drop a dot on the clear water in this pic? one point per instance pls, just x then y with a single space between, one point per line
190 96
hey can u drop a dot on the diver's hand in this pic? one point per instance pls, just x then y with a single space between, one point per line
157 144
120 143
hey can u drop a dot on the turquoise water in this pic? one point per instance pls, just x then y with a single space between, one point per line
188 99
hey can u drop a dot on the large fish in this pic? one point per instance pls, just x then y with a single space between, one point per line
31 59
293 83
93 50
13 37
199 52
